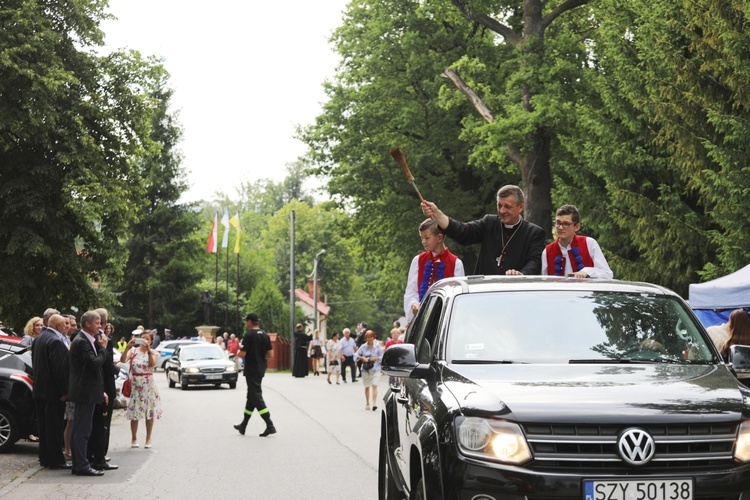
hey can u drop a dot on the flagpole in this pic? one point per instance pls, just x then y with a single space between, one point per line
237 291
226 311
216 284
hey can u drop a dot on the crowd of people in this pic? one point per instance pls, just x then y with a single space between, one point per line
74 374
359 355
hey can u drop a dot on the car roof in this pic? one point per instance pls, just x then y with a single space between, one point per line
478 284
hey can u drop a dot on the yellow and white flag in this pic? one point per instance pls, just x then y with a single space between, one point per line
235 223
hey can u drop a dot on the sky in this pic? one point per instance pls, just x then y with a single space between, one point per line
245 74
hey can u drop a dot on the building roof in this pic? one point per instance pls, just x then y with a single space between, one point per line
305 297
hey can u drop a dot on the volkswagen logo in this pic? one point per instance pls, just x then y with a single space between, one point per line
636 446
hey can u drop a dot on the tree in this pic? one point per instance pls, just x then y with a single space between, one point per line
159 286
531 88
387 92
72 125
657 156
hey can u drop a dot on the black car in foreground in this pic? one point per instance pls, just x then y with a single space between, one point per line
17 414
531 388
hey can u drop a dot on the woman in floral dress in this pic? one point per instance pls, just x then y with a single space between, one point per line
144 402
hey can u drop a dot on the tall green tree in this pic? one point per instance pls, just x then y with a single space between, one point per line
72 125
525 97
386 93
159 288
658 153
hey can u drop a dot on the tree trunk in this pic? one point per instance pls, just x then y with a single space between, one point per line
537 181
534 157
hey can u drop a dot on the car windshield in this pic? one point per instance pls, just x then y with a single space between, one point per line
573 327
201 353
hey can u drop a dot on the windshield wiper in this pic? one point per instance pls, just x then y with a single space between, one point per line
484 361
624 361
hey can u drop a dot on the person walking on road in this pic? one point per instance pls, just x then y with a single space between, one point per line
334 357
348 347
299 368
256 349
369 354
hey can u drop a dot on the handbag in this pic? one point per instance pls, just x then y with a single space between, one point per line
369 365
126 389
335 362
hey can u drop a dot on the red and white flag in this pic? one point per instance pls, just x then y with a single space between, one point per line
213 238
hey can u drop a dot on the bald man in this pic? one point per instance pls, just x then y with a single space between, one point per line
51 371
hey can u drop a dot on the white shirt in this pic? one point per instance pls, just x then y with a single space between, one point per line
411 294
600 270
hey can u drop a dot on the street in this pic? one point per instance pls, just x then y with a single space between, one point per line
326 447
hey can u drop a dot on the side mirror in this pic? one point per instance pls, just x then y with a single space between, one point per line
400 360
739 360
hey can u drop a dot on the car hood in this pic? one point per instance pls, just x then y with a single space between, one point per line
206 363
604 393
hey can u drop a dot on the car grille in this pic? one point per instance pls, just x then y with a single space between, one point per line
212 370
678 447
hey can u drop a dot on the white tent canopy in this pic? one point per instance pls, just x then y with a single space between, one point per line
728 292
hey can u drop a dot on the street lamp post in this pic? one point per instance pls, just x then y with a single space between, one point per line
315 286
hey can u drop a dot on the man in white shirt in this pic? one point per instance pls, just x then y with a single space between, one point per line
571 254
348 347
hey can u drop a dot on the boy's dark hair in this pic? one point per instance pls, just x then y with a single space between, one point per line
569 210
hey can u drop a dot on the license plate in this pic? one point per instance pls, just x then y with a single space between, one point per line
638 489
213 377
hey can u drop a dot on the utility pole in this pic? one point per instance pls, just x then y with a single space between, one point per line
291 286
315 286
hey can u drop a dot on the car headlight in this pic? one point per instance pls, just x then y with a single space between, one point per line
742 448
231 368
496 440
192 370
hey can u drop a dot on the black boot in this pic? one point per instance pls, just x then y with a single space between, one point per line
270 429
241 427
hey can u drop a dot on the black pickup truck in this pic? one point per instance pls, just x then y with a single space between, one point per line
540 388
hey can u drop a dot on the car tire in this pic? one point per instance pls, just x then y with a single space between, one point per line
232 385
386 485
183 385
8 429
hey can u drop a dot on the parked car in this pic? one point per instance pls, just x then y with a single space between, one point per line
543 387
166 350
17 414
8 334
200 364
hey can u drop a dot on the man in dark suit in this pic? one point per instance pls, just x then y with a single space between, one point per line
509 244
99 442
86 387
50 362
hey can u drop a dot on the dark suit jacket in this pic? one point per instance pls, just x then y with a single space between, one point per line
109 370
50 363
86 383
524 251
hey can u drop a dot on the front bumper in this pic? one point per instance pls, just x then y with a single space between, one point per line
467 480
210 378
